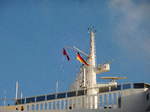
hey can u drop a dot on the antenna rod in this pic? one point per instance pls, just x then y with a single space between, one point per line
57 86
5 97
17 88
5 101
77 50
21 94
80 51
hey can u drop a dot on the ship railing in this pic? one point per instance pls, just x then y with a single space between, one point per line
124 86
47 97
70 94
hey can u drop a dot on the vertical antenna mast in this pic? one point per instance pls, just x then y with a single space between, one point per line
57 86
90 70
91 74
17 88
21 95
5 97
92 46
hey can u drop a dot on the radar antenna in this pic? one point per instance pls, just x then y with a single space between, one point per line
113 79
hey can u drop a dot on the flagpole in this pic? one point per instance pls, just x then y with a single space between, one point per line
57 86
17 88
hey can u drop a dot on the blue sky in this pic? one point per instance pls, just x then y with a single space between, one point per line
33 33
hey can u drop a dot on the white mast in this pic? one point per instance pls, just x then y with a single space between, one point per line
57 85
5 97
17 89
90 71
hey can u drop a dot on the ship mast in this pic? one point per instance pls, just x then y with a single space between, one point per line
92 48
90 70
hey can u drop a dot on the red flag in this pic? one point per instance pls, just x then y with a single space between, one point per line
81 59
66 54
